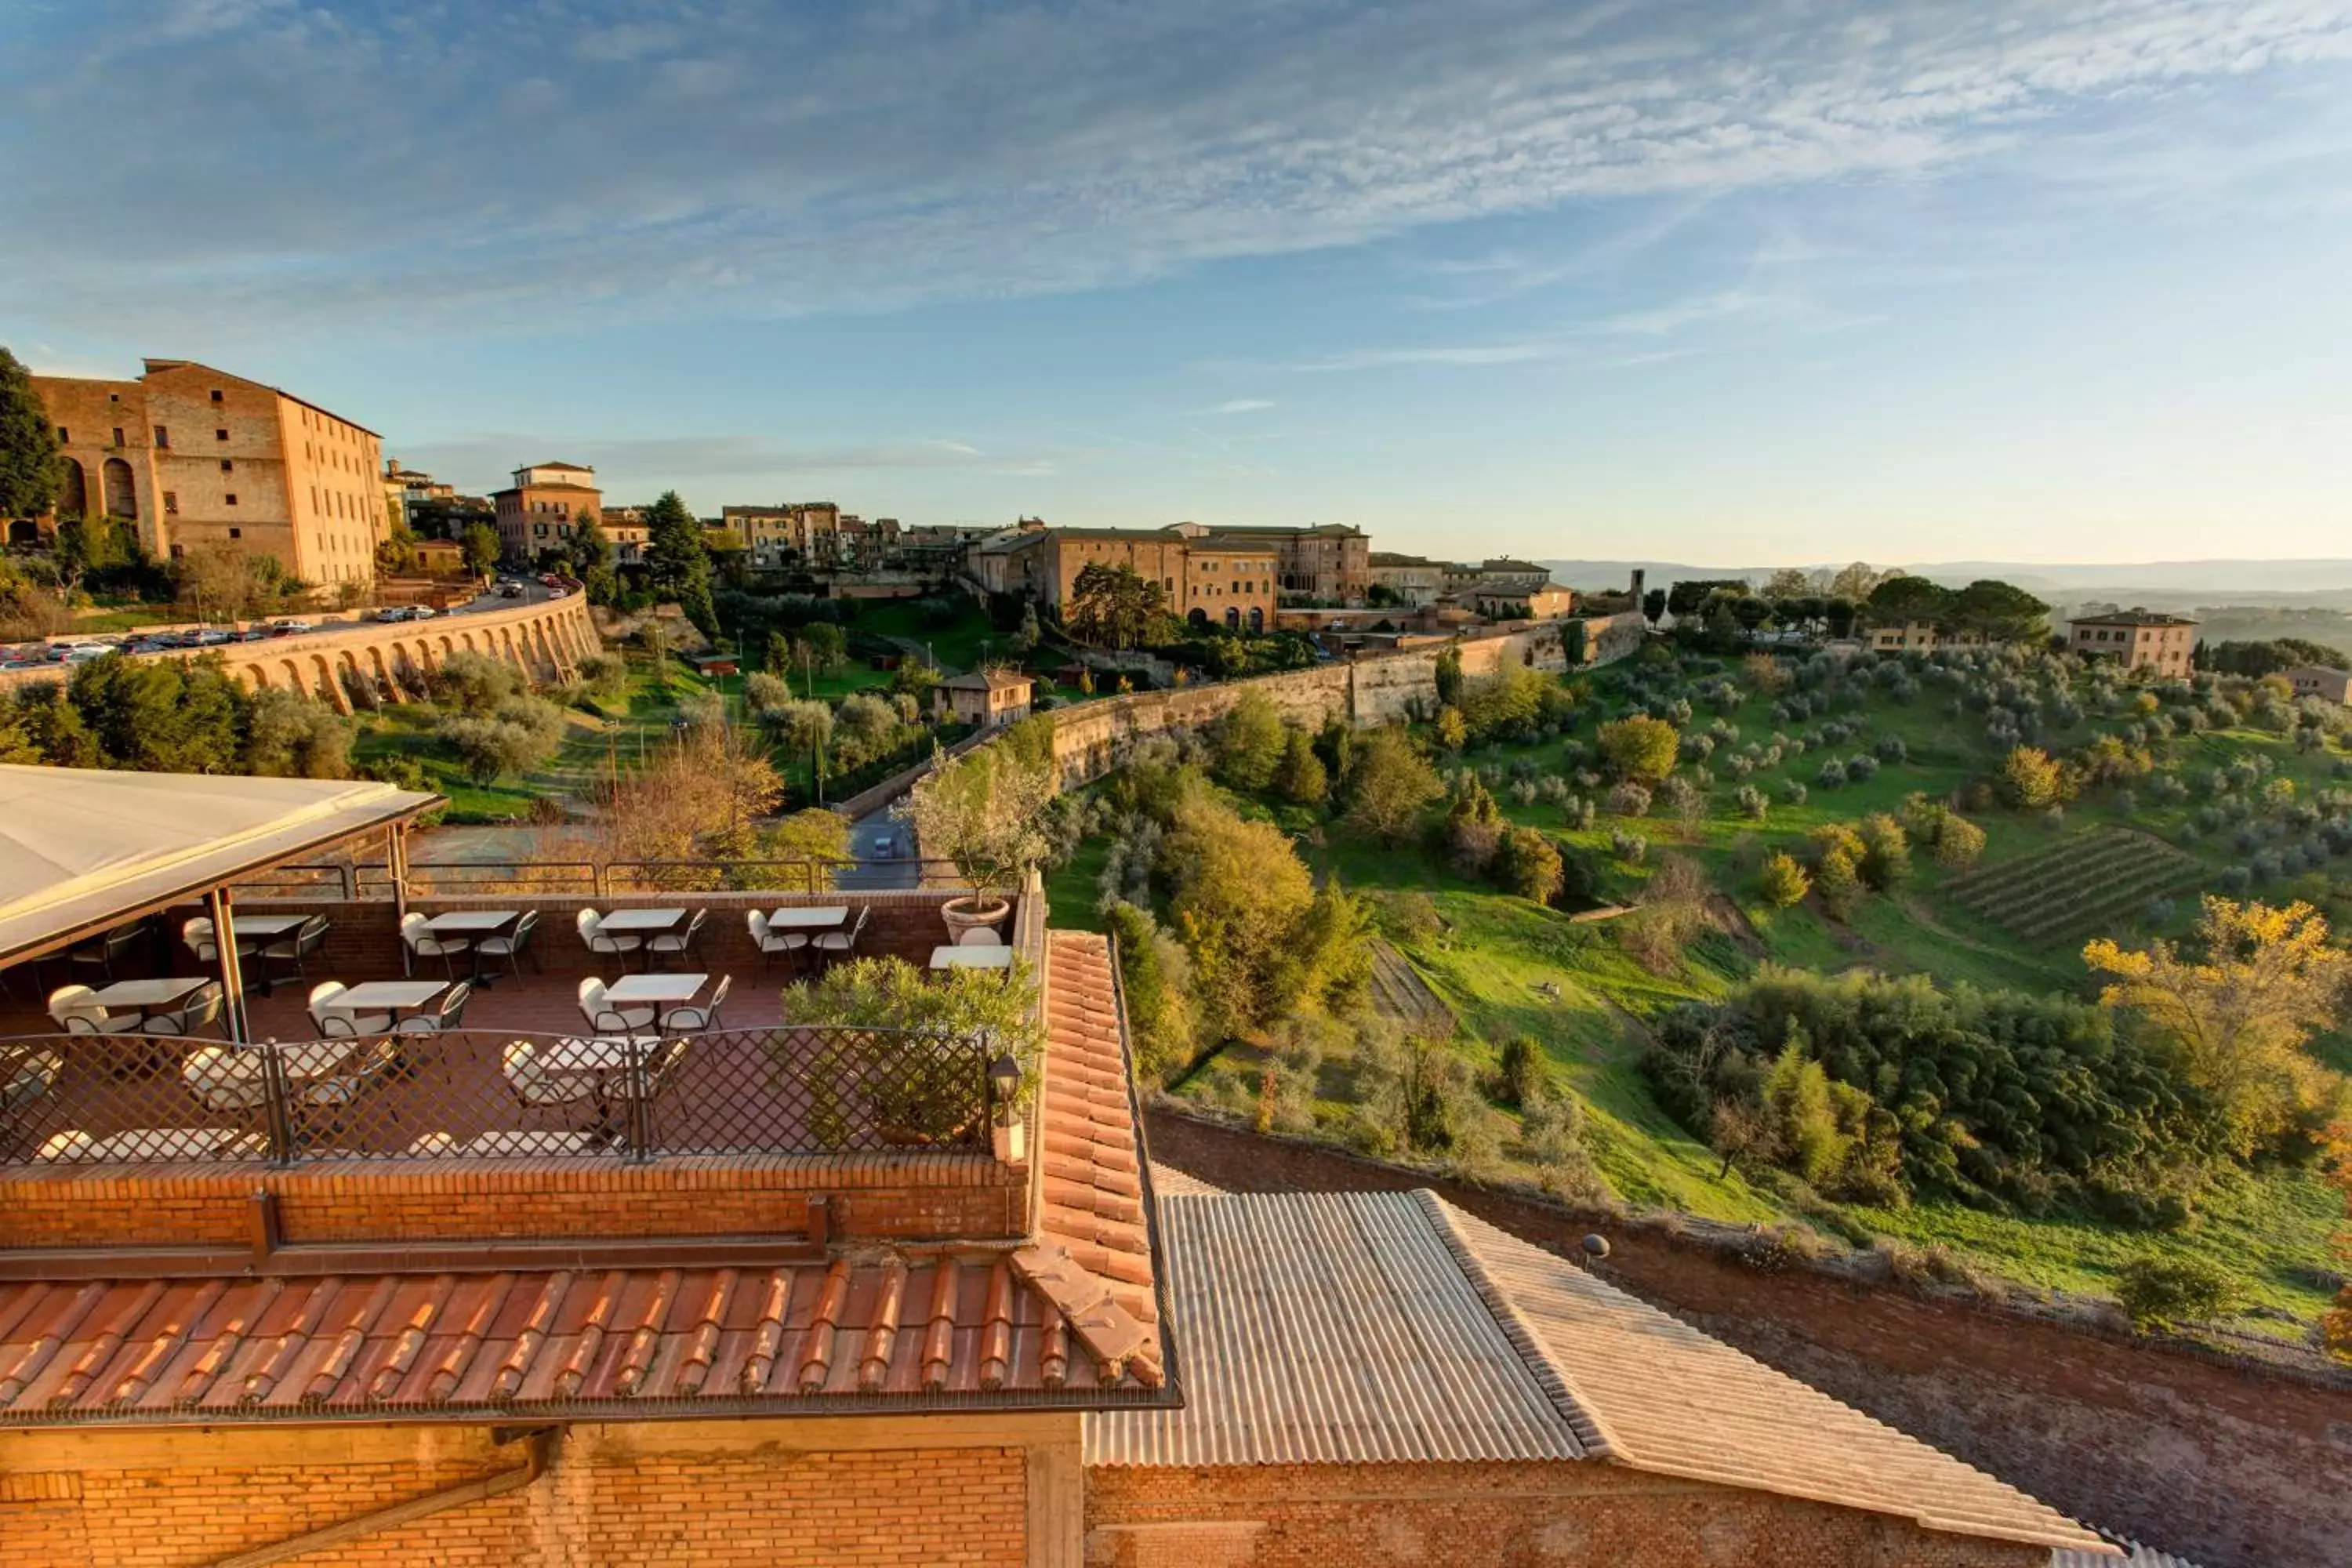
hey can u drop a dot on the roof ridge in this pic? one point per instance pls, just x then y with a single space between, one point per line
1591 1433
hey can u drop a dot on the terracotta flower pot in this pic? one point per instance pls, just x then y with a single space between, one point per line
968 913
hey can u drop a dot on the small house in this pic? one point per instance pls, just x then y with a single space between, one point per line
985 697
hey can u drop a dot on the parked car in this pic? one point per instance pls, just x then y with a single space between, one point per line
558 593
251 633
288 628
211 636
83 652
393 613
420 612
510 590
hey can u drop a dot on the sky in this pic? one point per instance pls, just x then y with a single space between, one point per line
1741 282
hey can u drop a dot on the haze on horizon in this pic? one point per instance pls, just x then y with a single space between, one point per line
1772 282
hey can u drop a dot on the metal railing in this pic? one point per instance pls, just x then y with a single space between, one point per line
593 879
84 1100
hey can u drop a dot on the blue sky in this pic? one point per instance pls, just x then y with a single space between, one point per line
1731 282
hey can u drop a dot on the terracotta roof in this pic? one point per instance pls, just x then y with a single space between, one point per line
2135 1556
889 1333
1373 1326
987 680
2133 618
1093 1256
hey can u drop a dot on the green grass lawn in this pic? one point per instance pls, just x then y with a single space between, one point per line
1508 967
630 727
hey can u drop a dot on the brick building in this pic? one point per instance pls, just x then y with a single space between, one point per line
538 512
1379 1377
809 533
199 459
1411 579
2320 681
1327 563
2136 639
1208 579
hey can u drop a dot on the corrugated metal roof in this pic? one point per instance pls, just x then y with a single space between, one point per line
1365 1327
1669 1399
1330 1329
2136 1556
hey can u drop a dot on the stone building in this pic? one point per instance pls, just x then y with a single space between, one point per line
1208 579
1411 579
2320 681
199 459
809 533
538 512
2136 639
1327 563
987 697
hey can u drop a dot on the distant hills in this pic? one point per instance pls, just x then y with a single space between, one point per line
2310 581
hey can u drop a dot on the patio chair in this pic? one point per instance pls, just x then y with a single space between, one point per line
769 941
593 933
26 1075
77 1010
513 945
842 943
697 1016
537 1081
605 1018
200 1011
336 1022
417 933
680 943
298 944
452 1014
980 936
225 1079
197 934
360 1069
102 954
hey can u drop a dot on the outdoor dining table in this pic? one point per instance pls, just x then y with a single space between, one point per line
393 996
605 1060
151 996
640 922
810 917
472 926
674 990
261 929
972 958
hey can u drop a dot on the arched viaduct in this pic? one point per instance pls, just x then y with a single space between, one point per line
545 641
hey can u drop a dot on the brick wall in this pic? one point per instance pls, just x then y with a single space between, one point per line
2212 1462
1489 1515
953 1507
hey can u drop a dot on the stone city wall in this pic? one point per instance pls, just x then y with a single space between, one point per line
545 641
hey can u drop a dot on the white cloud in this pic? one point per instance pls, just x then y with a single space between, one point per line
432 162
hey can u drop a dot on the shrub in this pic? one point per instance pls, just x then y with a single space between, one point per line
1887 852
1891 749
1521 1074
1781 881
1833 774
1957 841
1579 813
1640 749
1792 791
1628 847
2161 1292
520 735
1628 799
1751 803
2029 780
1530 865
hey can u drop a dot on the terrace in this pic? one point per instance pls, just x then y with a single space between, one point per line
474 1077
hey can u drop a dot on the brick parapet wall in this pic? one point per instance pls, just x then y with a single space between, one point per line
1489 1514
893 1198
71 1500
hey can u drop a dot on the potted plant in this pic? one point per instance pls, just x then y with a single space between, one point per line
985 812
917 1079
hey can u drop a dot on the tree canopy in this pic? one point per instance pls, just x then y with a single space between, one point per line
677 564
31 470
1114 606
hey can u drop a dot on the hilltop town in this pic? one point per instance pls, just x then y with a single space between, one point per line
1135 1033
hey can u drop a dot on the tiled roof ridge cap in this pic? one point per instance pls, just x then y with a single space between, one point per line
1593 1434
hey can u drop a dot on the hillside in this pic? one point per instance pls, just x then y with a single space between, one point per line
2127 860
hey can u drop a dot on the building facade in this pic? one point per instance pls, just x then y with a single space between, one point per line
1411 579
2136 639
1329 563
985 697
540 509
809 533
1207 579
2320 681
197 458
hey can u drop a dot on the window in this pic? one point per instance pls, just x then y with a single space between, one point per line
229 465
216 395
178 551
114 397
229 500
118 437
162 436
172 506
65 437
220 434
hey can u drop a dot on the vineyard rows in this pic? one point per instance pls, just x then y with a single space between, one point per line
2079 888
1400 993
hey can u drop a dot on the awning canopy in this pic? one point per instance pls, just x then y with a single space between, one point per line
84 849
